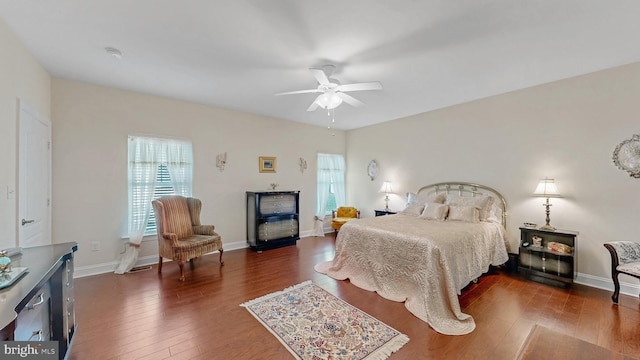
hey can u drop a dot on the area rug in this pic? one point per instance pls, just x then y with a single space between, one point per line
313 324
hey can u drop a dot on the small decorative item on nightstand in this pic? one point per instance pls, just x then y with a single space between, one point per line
548 254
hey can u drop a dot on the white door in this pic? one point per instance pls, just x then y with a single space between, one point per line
34 182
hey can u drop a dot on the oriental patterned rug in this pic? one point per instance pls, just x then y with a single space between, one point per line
313 324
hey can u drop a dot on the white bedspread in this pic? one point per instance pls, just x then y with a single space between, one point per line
423 263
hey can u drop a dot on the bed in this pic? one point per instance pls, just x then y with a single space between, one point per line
425 255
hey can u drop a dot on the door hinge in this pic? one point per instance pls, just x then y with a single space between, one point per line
48 202
48 145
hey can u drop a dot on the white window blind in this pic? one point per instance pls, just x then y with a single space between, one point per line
163 187
157 167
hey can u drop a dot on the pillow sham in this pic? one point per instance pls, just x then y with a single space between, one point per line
464 213
495 215
413 198
435 211
413 209
483 203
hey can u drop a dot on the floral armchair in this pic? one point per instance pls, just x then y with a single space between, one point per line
625 259
181 237
342 215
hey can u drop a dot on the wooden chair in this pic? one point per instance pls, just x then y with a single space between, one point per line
342 215
625 259
181 237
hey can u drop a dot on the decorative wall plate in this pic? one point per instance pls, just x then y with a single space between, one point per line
372 169
626 156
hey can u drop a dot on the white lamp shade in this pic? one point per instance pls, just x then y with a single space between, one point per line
386 187
329 100
547 188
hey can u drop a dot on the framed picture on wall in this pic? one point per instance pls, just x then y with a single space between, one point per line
267 164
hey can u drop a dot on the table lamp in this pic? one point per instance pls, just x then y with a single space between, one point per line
386 188
547 188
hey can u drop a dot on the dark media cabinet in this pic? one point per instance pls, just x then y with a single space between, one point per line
272 219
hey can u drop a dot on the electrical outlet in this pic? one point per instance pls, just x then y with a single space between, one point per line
95 246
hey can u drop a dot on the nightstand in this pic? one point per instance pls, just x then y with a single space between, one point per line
384 212
548 254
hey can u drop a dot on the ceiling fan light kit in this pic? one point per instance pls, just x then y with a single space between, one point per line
328 100
332 93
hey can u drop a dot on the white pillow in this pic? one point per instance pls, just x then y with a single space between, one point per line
483 203
434 211
464 213
413 198
495 215
413 209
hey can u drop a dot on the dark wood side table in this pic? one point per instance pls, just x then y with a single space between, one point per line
384 212
538 259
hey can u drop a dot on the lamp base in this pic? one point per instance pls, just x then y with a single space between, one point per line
547 227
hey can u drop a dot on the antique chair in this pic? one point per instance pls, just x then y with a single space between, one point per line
342 215
625 259
181 237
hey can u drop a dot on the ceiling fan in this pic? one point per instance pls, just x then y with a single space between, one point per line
332 93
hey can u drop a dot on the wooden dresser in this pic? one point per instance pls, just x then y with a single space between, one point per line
39 306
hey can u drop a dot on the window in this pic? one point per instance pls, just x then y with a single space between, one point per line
157 167
331 200
330 187
163 187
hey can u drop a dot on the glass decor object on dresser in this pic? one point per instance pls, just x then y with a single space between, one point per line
272 219
548 254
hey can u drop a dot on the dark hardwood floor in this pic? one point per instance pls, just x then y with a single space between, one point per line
144 315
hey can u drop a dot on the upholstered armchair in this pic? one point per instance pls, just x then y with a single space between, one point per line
181 237
342 215
625 259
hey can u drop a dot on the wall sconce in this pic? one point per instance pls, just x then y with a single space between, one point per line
547 188
386 188
303 165
221 160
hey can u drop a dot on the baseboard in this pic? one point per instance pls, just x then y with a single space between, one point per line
607 284
306 233
82 271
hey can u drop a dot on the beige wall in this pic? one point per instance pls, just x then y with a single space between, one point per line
21 77
565 130
90 162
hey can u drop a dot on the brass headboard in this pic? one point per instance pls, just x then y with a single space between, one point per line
466 189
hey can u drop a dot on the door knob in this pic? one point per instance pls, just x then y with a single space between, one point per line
24 222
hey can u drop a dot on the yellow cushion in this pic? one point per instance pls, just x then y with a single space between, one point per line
347 212
336 223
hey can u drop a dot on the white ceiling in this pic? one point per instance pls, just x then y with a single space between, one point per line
236 54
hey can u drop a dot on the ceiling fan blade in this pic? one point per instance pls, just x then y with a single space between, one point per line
375 85
298 92
349 99
320 76
314 105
